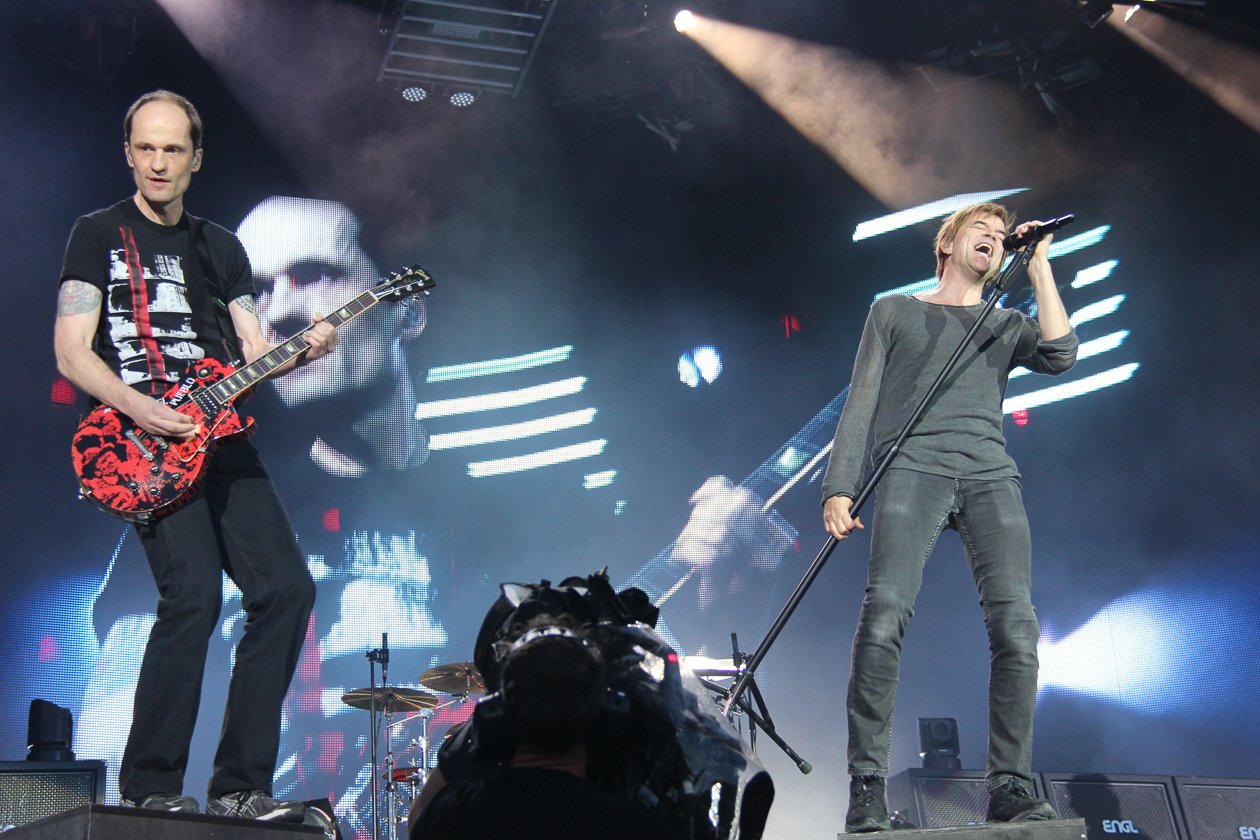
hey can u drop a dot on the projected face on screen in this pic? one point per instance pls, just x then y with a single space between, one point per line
308 261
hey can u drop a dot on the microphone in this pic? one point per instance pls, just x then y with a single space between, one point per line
384 648
1035 234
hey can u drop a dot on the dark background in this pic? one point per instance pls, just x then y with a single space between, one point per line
542 231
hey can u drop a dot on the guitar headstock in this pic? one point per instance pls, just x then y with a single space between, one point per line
404 284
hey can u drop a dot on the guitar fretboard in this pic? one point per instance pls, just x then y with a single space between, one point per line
226 389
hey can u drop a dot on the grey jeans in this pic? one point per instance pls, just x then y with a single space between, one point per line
911 509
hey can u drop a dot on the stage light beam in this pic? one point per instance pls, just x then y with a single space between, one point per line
903 140
1225 72
1163 650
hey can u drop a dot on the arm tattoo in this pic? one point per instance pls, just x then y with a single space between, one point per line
77 298
246 302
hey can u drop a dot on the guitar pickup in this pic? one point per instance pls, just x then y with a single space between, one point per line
139 444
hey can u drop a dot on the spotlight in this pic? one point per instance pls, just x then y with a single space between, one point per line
684 20
463 98
938 743
49 731
415 93
1094 12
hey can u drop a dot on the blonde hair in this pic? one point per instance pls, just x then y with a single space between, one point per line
957 220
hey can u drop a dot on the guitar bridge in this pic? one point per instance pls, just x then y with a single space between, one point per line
139 444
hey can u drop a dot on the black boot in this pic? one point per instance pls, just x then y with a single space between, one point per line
1013 801
868 810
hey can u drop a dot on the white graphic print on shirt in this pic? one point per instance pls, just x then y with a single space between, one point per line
165 322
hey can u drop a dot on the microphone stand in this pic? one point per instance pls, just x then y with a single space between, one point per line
760 716
1018 263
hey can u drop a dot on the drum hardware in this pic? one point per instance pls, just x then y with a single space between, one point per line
389 698
459 680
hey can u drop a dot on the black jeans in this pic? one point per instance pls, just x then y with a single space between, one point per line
911 509
236 524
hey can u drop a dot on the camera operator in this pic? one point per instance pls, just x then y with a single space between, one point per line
553 689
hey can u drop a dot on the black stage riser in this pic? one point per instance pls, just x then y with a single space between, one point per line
110 822
1050 830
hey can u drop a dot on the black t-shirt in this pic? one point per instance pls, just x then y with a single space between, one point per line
157 314
536 803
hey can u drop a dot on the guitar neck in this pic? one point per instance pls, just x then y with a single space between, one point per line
228 388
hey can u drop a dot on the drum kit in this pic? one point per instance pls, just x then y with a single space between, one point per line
403 782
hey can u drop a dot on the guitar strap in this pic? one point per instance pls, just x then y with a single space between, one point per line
210 292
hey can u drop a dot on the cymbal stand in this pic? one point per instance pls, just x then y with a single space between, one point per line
422 741
391 785
380 655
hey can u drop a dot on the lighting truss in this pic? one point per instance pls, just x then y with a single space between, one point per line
651 101
478 47
1046 53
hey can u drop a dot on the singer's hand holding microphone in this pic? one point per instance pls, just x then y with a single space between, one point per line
1033 232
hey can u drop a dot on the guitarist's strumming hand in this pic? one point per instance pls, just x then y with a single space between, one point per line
158 418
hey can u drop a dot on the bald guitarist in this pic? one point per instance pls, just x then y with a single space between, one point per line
140 287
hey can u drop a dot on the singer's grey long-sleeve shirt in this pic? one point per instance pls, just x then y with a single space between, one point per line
904 346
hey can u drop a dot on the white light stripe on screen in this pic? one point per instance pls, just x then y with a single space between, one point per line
934 210
502 399
519 463
1094 311
512 431
490 367
801 473
1088 348
1058 393
1094 273
599 479
1076 243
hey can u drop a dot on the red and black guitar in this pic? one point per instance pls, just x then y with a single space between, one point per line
139 476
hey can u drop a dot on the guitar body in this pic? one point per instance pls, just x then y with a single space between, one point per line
137 476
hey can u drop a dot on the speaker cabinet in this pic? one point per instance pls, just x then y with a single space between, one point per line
940 798
1117 807
32 790
1220 807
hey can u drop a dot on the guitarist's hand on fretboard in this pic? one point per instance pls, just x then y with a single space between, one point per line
322 338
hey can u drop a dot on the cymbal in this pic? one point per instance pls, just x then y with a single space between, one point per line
393 699
458 678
